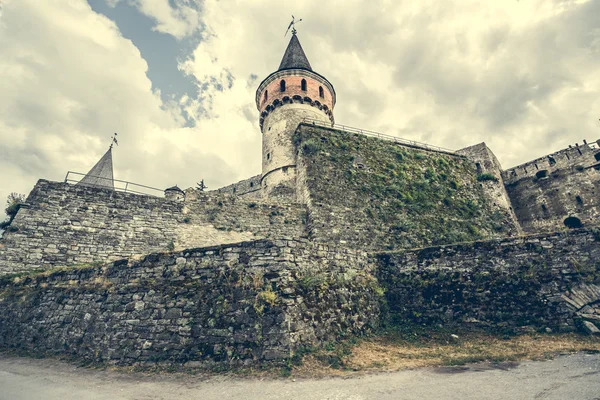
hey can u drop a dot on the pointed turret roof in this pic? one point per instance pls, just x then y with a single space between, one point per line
294 56
101 175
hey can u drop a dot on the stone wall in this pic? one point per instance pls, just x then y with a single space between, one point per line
64 224
544 281
489 176
546 191
248 188
226 305
375 194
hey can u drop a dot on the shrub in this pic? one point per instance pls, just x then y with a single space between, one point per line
486 176
268 297
186 220
311 146
13 202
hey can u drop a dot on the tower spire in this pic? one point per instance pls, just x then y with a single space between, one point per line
101 174
294 56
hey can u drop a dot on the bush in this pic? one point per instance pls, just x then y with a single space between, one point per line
486 177
311 146
13 202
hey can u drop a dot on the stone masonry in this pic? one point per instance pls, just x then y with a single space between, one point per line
540 281
235 304
64 224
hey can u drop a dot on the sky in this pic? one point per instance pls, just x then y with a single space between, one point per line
176 80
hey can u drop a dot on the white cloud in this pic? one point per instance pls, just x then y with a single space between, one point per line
180 19
69 80
521 76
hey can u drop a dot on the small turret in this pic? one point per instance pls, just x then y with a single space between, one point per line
174 193
284 99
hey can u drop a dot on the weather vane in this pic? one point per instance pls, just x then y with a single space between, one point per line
293 26
114 140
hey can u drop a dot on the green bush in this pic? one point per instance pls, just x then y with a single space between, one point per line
486 176
311 146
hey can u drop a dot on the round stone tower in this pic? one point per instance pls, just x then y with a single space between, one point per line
287 97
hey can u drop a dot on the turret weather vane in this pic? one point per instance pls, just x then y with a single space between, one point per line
114 140
293 26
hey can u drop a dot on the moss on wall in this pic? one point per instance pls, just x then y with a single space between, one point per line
382 195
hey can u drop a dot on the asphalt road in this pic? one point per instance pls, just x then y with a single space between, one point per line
566 378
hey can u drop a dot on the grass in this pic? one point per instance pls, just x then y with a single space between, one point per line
486 177
392 353
403 198
373 355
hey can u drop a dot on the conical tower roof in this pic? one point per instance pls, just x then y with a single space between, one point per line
101 175
294 56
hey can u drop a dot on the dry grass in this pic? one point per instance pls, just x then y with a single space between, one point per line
392 354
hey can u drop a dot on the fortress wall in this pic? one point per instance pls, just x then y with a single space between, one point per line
68 225
226 305
546 191
248 188
375 194
487 164
543 281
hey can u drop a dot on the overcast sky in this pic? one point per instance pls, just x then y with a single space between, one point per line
176 79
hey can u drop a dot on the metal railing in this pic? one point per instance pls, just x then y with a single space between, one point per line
379 135
118 185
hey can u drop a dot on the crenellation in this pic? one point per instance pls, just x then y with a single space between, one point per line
550 191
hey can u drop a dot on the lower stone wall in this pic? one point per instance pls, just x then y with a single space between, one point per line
226 305
544 281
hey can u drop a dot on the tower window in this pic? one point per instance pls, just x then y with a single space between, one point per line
266 95
282 85
321 91
268 156
303 84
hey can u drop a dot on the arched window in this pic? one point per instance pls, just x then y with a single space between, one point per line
266 95
573 223
303 84
321 91
282 85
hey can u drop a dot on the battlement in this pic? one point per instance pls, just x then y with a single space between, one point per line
558 190
248 188
586 155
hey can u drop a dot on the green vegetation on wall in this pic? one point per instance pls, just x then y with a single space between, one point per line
387 196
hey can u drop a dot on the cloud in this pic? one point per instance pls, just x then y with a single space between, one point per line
179 18
70 80
455 73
